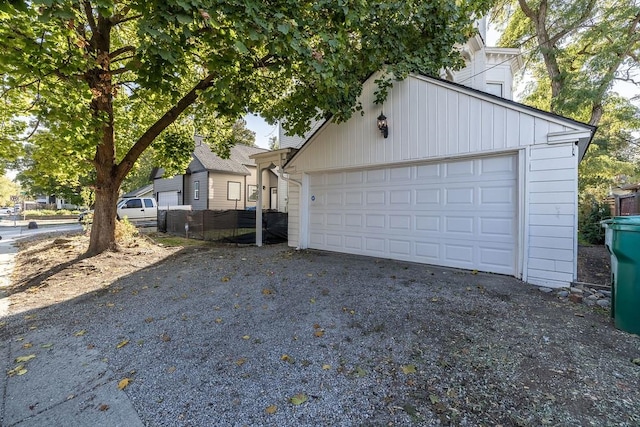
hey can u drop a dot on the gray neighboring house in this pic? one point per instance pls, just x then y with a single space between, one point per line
213 183
146 191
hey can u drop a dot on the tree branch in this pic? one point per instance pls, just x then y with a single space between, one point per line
161 124
122 50
88 10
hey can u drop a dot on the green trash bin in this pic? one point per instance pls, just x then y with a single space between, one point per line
622 237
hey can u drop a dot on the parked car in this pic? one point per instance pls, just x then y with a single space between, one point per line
138 209
7 211
86 215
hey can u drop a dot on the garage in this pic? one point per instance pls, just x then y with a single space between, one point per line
167 198
459 178
459 213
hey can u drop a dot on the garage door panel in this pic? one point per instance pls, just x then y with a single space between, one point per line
399 248
428 223
400 222
353 242
428 196
400 174
496 227
373 244
455 214
375 221
428 251
456 169
458 254
375 176
459 225
354 177
400 197
459 196
375 198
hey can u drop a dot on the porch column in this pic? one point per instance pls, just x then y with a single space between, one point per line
259 208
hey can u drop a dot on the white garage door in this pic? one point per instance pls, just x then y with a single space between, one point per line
167 198
457 214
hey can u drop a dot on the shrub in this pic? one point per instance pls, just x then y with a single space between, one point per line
589 218
126 232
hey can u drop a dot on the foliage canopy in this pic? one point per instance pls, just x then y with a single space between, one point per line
107 78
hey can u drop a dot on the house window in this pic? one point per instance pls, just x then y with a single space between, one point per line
252 193
495 89
233 190
196 190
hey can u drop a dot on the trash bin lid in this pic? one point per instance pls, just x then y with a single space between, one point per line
627 223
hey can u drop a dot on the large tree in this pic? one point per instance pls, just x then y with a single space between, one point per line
107 78
575 51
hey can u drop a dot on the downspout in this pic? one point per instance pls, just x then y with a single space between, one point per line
299 184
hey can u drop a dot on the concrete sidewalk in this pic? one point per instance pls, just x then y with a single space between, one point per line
51 379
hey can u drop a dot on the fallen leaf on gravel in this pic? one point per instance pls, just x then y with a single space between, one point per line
266 291
18 370
25 358
312 300
218 320
165 337
309 274
123 383
299 399
171 369
409 369
286 358
103 407
326 367
48 345
474 271
122 343
241 361
271 409
148 320
319 333
434 399
225 279
434 299
316 326
359 372
80 333
636 361
27 345
246 337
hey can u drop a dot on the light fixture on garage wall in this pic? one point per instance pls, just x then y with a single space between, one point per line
382 125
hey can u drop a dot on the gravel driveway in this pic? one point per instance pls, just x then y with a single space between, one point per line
235 336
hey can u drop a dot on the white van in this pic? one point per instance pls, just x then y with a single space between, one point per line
138 209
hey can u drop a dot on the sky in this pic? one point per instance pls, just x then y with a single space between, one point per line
263 130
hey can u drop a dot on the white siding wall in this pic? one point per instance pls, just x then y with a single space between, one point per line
294 211
427 120
552 194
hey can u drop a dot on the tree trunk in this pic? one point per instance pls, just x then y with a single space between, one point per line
104 220
108 183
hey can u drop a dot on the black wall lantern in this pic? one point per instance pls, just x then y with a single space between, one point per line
382 125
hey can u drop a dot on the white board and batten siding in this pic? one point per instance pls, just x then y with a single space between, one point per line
427 120
433 124
552 214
